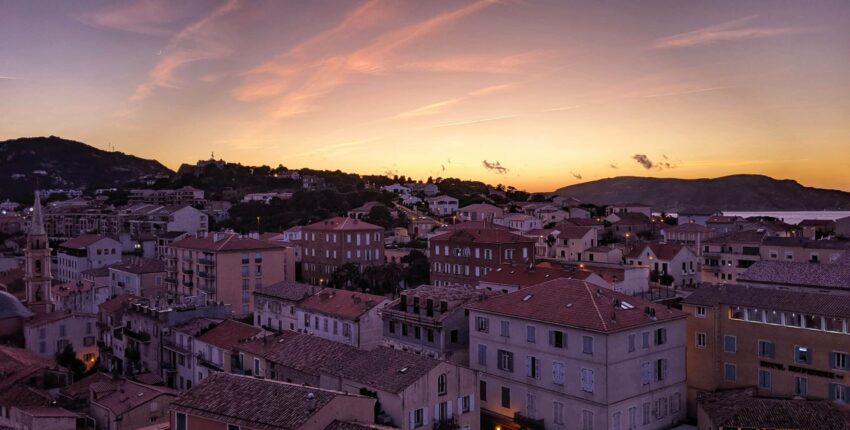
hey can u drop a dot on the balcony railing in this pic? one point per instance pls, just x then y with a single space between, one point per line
204 361
138 335
189 284
449 423
206 275
167 343
188 271
206 261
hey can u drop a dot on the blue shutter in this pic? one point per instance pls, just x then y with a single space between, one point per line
832 388
832 360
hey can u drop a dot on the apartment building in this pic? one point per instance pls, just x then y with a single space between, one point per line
226 267
521 223
274 306
49 334
727 256
786 275
130 405
184 195
569 354
673 260
690 234
89 251
328 244
802 250
228 402
479 212
138 276
431 320
414 391
630 208
211 349
466 253
349 317
442 205
785 343
179 353
572 241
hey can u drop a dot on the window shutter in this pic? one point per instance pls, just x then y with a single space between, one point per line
771 349
832 362
664 368
472 402
424 416
527 365
832 388
551 338
412 422
809 356
537 369
436 412
449 409
459 405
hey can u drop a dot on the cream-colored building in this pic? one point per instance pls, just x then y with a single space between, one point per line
343 316
569 354
572 241
227 268
48 334
274 305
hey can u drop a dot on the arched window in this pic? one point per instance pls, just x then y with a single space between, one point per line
37 266
442 384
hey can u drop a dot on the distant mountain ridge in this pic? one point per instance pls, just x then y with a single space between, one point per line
727 193
53 162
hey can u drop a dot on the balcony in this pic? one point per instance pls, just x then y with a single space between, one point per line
528 422
169 344
203 361
137 335
206 261
189 284
172 281
206 275
449 423
169 367
188 271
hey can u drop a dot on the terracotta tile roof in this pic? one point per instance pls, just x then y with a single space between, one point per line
117 303
798 274
81 242
387 369
662 251
344 304
574 232
49 412
81 387
286 290
260 404
341 224
578 304
521 276
22 396
226 242
48 318
823 304
819 223
140 265
474 225
539 232
689 227
481 207
742 409
746 236
799 242
484 235
350 425
196 325
100 272
128 395
302 352
229 333
588 222
631 218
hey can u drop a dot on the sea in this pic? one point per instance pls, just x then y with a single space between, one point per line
793 217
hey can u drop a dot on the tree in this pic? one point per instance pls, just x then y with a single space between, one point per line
346 277
67 358
393 276
380 215
418 270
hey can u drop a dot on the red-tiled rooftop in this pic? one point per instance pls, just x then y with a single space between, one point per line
225 242
341 224
82 241
578 304
483 235
344 304
574 232
522 276
229 333
117 303
662 251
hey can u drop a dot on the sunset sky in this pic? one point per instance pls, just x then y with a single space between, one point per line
536 94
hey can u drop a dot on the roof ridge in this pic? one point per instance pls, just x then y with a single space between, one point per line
595 305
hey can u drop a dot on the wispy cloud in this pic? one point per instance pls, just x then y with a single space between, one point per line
297 79
9 78
336 148
430 109
149 17
731 31
561 109
682 92
202 40
474 121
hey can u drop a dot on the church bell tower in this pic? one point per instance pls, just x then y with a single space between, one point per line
38 274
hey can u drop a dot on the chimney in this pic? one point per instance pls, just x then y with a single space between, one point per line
356 299
311 402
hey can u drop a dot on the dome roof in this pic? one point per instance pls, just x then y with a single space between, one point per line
11 307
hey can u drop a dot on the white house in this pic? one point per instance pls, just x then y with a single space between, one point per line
675 260
48 334
442 205
348 317
89 251
519 222
572 241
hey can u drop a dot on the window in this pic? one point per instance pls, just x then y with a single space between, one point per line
232 427
482 390
838 360
646 413
586 420
645 373
793 319
645 340
730 344
838 392
532 367
802 355
587 380
632 418
506 360
558 408
700 340
730 372
505 329
531 403
587 345
661 369
558 339
404 329
392 326
530 334
615 419
482 324
660 336
418 418
346 330
801 386
764 379
180 421
482 355
465 404
442 385
700 312
632 342
766 349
